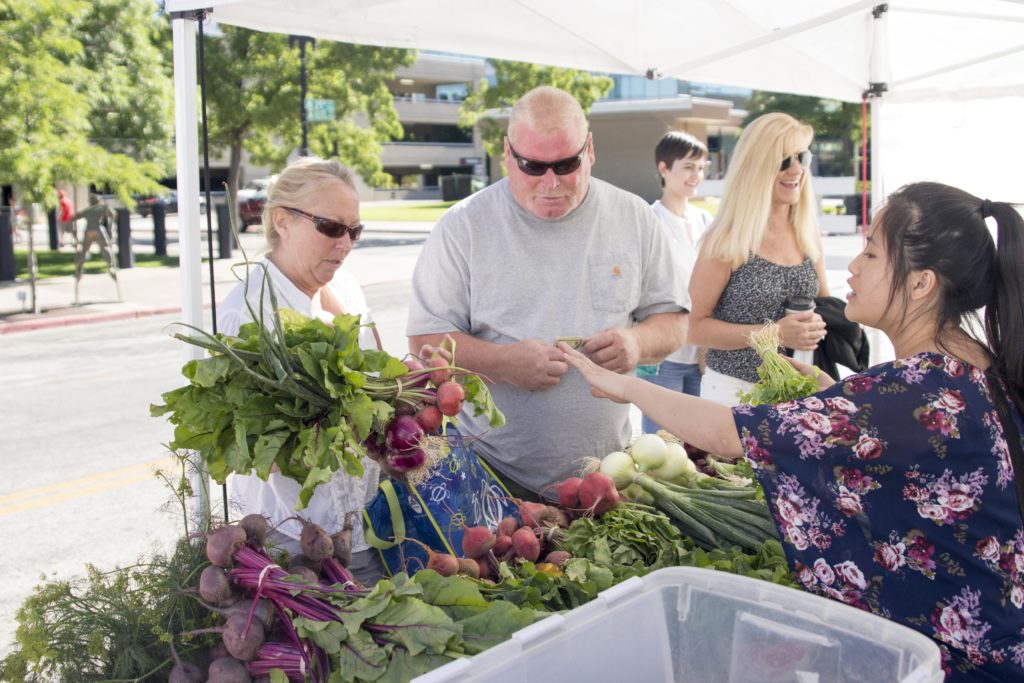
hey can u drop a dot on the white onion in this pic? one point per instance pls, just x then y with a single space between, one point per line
620 467
677 464
648 451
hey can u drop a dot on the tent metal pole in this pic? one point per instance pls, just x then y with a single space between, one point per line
183 29
879 75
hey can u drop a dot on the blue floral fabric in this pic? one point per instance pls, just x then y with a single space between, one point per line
894 492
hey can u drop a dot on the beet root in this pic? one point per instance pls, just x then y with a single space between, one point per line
228 670
241 641
315 543
526 544
557 557
477 541
507 526
221 544
469 567
342 541
256 528
186 672
214 586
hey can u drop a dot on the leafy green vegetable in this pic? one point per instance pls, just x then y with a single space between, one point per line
299 394
779 381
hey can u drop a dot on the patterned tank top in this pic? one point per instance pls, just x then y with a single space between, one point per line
755 293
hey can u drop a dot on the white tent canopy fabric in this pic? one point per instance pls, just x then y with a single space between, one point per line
906 51
812 47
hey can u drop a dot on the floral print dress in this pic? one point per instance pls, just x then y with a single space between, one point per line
894 492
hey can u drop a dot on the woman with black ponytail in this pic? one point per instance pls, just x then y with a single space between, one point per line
900 490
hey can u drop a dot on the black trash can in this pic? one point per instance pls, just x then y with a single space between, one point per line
456 186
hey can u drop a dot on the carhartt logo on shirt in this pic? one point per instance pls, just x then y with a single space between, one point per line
616 272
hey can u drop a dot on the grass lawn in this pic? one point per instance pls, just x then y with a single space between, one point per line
426 212
60 263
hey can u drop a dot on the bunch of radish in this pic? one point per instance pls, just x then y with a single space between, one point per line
430 392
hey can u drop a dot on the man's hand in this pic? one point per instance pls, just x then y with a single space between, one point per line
533 364
616 349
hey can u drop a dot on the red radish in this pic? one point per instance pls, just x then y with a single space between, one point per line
557 557
507 526
316 544
240 640
502 544
430 419
404 434
469 567
526 544
538 514
256 528
415 379
222 542
450 397
477 541
569 492
598 493
404 461
442 375
214 586
228 670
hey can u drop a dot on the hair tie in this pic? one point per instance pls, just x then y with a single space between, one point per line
986 208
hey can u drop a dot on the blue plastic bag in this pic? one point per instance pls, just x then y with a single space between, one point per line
464 491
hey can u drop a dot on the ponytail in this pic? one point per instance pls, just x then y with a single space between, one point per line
1004 314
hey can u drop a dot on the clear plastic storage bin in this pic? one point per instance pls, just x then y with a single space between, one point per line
683 625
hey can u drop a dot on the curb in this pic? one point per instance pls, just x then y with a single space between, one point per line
61 321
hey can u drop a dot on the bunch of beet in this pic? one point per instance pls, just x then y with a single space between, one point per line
592 495
257 599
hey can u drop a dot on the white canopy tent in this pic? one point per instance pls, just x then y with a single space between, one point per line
942 62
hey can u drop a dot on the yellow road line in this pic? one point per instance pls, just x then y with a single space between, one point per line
51 494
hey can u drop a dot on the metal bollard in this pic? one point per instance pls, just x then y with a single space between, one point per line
159 228
125 257
225 240
7 270
51 219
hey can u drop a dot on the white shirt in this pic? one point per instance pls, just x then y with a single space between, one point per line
683 235
276 498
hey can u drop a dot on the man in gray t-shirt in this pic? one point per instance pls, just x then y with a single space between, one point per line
548 252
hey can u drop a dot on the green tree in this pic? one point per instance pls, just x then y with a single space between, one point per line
253 93
515 79
833 121
86 96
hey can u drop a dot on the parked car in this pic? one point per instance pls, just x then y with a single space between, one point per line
251 199
144 205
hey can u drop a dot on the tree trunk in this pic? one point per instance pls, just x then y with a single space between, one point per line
235 169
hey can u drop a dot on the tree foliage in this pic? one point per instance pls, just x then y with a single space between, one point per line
515 79
86 96
831 119
253 98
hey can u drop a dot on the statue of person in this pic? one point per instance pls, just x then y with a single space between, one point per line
98 220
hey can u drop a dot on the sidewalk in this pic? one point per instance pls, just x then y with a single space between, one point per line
157 290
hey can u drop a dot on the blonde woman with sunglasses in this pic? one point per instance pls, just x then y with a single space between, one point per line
762 247
311 223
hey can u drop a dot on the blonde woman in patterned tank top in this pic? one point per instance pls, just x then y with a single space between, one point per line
762 247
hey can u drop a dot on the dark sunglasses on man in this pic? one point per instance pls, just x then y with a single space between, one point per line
803 157
560 166
330 228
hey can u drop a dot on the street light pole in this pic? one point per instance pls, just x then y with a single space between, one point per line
301 41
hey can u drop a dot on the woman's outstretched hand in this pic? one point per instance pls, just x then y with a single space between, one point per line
603 383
